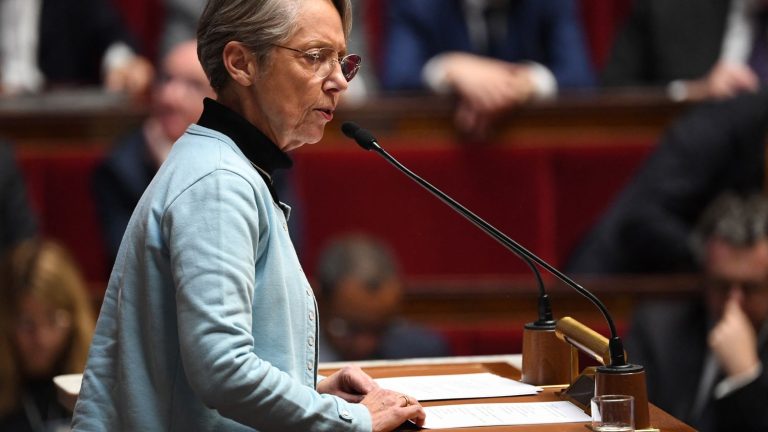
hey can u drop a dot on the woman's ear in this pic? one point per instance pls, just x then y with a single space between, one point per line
240 63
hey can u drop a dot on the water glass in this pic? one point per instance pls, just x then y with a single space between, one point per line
613 413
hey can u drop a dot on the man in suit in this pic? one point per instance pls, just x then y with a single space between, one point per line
705 358
359 295
699 49
493 54
715 147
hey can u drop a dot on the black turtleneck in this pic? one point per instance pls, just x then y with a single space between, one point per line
259 149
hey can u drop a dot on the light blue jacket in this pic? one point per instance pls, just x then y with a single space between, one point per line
208 322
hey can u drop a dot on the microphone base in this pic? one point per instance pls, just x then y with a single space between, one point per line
547 360
626 380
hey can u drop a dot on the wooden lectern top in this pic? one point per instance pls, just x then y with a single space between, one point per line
659 418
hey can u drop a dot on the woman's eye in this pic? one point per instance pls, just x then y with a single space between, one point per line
315 56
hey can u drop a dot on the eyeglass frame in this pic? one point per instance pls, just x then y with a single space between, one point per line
315 59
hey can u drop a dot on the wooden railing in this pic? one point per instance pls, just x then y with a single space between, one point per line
88 117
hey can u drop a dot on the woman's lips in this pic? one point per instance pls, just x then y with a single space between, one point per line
326 113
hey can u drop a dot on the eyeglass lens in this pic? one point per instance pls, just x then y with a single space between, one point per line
325 62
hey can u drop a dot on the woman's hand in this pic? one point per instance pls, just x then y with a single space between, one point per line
350 383
390 409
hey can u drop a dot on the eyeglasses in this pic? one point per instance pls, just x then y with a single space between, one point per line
323 60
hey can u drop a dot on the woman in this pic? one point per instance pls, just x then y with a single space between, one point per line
46 324
208 322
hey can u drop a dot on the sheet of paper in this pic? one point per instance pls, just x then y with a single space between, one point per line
503 414
460 386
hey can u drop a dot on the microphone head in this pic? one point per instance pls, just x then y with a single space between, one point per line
350 128
364 138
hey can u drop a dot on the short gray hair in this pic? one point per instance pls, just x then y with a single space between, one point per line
740 221
258 24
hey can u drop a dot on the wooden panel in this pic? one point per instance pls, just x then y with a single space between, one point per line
659 418
632 116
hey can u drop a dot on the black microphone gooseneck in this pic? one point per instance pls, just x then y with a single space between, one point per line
367 141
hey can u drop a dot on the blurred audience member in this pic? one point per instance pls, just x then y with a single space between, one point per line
55 43
360 293
46 326
705 359
493 54
700 49
716 147
177 102
17 221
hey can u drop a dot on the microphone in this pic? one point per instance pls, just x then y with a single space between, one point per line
546 360
617 376
361 136
367 141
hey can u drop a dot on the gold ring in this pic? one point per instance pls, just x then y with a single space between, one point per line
405 398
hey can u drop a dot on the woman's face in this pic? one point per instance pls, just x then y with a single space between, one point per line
41 335
293 103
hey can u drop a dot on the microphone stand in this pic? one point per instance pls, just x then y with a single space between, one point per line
617 377
546 359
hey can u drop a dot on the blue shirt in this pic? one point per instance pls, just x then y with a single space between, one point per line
208 322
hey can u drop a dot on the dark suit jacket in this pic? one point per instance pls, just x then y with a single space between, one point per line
74 35
17 221
118 183
670 340
665 40
714 148
544 31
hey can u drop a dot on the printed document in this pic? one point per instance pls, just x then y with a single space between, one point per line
503 414
460 386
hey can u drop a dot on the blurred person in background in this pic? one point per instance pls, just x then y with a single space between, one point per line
699 49
492 54
176 102
46 326
47 44
705 358
715 147
17 221
360 295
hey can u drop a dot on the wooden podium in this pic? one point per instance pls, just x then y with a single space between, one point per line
507 366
